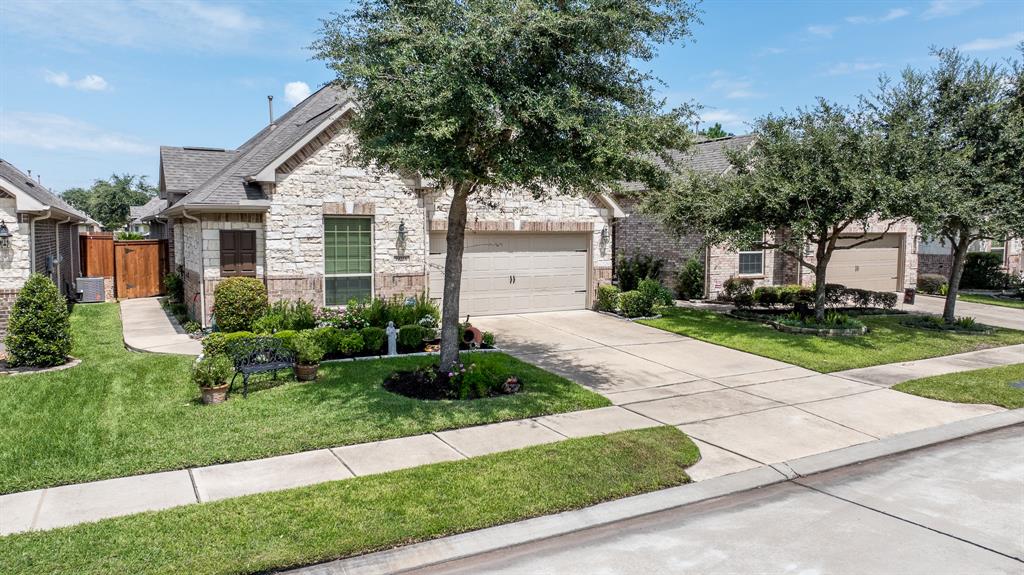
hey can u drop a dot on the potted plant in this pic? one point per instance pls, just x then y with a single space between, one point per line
308 353
211 373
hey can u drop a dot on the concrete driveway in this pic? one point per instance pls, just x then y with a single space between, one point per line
743 410
988 314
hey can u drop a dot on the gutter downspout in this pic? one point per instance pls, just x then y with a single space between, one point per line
32 236
202 274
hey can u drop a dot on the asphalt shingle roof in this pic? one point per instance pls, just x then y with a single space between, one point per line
36 191
708 156
186 168
228 186
154 206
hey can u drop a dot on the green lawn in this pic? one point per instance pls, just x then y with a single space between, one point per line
312 524
991 385
887 341
121 413
987 299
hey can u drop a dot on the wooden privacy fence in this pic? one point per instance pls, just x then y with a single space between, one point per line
137 266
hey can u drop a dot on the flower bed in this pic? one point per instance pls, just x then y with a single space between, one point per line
964 325
473 381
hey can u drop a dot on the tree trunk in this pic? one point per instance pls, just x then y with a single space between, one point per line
820 265
456 242
959 257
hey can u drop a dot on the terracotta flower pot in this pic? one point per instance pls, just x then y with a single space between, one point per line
306 372
217 394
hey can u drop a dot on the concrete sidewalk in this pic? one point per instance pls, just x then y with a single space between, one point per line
147 327
890 374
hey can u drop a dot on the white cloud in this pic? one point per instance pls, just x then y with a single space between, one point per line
823 31
56 132
732 121
296 92
944 8
844 68
982 44
770 51
893 14
88 83
730 86
171 24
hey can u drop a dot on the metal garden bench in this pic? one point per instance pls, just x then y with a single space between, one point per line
258 355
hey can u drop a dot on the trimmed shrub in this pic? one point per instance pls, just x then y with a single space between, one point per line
487 338
635 304
39 329
286 336
238 302
410 337
766 296
607 298
218 342
860 297
790 294
268 324
931 283
690 280
981 271
735 286
655 292
743 300
631 271
835 295
374 339
884 299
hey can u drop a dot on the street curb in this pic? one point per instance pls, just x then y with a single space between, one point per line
461 546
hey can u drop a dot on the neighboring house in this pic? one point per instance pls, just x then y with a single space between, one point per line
292 208
145 219
888 264
936 255
43 237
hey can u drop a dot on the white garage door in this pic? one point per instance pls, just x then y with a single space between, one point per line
874 265
515 273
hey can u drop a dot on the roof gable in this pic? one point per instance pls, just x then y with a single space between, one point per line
40 197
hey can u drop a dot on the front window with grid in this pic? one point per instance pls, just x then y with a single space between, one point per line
348 260
999 247
751 263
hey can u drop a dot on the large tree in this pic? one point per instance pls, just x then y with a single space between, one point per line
809 179
538 96
962 126
108 201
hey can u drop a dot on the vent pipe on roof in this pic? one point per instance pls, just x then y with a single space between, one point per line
270 109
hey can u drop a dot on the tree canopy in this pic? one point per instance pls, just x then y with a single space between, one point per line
809 178
961 129
541 96
715 131
108 201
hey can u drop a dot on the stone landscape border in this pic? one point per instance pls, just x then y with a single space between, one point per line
4 370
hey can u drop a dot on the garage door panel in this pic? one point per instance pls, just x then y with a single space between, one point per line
874 265
550 272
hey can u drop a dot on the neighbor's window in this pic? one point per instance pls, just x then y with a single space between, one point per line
999 247
348 260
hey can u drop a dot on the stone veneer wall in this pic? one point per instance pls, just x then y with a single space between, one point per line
202 256
15 261
328 183
638 234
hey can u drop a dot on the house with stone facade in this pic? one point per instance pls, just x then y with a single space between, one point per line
291 207
887 264
38 234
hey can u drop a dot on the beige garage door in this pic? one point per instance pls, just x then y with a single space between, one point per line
516 273
873 266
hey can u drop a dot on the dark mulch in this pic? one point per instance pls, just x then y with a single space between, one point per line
432 383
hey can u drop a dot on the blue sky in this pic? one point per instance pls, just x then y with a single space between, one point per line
92 88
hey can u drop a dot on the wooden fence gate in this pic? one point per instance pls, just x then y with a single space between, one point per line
138 268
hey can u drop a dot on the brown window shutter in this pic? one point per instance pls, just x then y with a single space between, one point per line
237 253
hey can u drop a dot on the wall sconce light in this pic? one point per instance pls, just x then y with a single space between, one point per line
5 235
402 232
604 235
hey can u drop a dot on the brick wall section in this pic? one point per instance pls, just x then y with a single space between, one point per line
45 239
638 234
940 264
69 263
